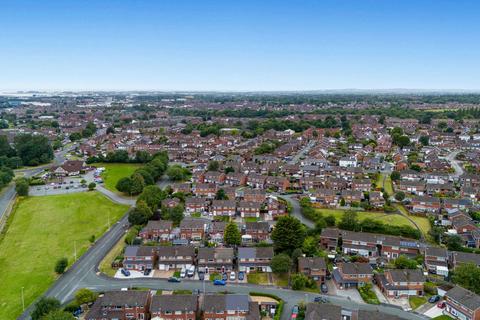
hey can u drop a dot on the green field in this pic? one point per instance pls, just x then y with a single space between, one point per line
42 230
387 218
115 171
422 222
385 182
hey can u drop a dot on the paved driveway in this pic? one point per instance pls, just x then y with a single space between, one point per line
350 294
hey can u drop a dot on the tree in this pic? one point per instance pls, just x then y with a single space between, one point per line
454 243
229 170
58 315
221 195
403 262
281 263
21 187
152 196
137 184
349 221
124 185
298 281
288 234
395 175
44 306
467 275
147 177
84 296
143 156
140 214
424 140
61 265
177 173
213 165
5 148
175 214
110 130
33 149
400 196
92 186
75 136
310 246
232 235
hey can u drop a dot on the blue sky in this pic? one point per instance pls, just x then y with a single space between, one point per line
239 45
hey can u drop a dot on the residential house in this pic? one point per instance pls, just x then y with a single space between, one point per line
69 168
376 199
120 305
457 258
194 204
436 260
396 283
157 231
256 232
351 196
223 208
462 303
363 185
229 306
313 267
249 209
207 190
255 259
425 204
173 307
139 258
192 229
215 259
351 275
176 257
216 231
235 179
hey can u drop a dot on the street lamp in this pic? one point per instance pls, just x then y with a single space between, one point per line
75 250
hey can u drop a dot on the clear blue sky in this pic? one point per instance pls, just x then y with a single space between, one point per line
239 45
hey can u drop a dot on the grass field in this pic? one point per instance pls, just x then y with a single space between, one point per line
391 219
385 182
42 230
422 222
115 171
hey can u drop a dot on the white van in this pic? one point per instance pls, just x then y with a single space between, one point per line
191 271
183 273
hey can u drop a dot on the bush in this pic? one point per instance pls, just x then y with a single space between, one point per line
367 294
91 186
299 281
430 288
61 265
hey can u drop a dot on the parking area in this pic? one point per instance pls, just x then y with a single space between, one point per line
133 274
63 186
434 312
351 294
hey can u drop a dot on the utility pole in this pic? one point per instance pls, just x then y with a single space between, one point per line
75 249
23 301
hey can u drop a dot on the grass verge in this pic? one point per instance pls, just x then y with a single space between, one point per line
115 171
416 301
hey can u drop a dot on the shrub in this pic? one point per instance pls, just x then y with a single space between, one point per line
61 265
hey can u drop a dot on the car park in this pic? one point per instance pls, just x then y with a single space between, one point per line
219 282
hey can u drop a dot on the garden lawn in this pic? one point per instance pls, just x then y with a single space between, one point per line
115 171
42 230
387 218
416 301
257 278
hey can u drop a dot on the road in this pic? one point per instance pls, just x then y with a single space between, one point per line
302 152
455 163
296 209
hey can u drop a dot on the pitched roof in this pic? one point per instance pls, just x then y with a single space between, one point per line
174 302
464 297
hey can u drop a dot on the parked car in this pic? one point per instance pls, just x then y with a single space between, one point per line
224 277
125 272
219 282
324 288
241 275
320 299
434 299
294 312
191 271
232 276
441 304
174 279
147 272
183 273
201 275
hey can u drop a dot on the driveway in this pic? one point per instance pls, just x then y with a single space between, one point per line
434 312
350 294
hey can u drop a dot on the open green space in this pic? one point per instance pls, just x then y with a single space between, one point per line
384 181
387 218
422 222
115 171
42 230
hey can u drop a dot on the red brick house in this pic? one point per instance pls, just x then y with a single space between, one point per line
352 275
223 208
396 283
121 305
313 267
174 306
139 258
229 306
192 229
462 303
257 231
249 209
157 231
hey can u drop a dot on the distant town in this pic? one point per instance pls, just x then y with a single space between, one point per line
240 206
